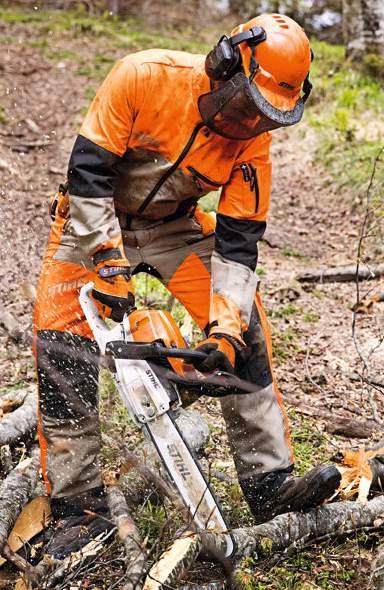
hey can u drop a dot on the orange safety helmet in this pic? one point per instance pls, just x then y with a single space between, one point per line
265 65
283 59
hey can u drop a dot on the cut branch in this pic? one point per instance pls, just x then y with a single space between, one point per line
15 491
22 421
341 274
129 535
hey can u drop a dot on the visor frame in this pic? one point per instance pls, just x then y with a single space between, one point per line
210 104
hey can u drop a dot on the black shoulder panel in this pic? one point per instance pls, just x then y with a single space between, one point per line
236 239
91 170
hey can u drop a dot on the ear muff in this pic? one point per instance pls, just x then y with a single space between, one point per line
224 60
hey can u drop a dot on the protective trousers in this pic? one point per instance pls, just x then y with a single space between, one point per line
179 254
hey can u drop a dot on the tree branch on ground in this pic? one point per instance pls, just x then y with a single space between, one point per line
22 421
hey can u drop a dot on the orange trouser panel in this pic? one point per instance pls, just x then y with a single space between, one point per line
191 285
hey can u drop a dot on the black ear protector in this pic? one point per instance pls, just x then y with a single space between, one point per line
224 59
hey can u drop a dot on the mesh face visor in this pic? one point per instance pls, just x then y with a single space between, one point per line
238 110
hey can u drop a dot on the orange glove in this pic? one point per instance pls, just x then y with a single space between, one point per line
113 287
221 350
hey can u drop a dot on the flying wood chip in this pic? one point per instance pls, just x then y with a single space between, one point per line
357 473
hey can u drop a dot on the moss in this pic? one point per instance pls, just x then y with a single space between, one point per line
3 116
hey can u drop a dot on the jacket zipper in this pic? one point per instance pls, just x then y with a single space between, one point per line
250 176
172 169
203 177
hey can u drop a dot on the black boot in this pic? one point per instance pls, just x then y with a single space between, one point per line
277 492
77 520
377 466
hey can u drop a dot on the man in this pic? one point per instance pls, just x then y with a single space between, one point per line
165 129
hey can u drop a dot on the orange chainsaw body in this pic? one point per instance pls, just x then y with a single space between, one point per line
153 325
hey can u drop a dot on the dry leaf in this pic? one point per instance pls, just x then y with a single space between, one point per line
34 517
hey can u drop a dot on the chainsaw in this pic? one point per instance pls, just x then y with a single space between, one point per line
150 367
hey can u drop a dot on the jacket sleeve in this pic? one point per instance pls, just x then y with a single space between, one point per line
241 222
103 140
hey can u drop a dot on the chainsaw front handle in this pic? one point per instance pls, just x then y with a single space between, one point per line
152 352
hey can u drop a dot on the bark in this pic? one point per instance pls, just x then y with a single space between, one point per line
22 421
15 491
351 428
129 535
363 28
299 529
341 274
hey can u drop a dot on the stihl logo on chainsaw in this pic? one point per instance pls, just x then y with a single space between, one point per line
152 378
178 459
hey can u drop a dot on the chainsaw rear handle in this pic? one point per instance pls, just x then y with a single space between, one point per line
101 332
151 352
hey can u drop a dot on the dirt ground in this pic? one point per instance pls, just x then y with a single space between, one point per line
312 224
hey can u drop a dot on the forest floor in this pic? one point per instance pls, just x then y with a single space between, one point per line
48 76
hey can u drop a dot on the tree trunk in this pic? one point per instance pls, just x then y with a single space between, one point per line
363 28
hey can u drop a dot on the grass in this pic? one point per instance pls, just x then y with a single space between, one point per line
309 443
346 112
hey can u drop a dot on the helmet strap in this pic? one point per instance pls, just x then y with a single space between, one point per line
307 88
253 65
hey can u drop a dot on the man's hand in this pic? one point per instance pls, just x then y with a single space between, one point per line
221 351
113 287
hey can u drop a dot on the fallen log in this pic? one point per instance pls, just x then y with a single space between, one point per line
284 533
15 491
129 535
299 529
341 274
22 421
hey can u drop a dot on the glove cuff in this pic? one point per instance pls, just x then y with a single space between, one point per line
237 344
106 255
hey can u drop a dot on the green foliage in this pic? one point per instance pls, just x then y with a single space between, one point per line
3 116
151 521
266 544
373 65
310 316
346 110
292 252
308 442
124 33
286 343
209 202
285 311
